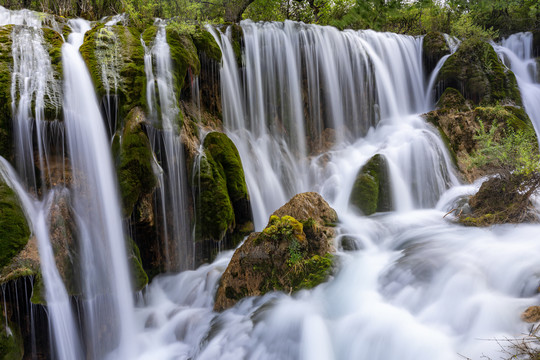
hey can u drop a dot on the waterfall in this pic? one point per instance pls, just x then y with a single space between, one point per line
165 114
33 86
62 320
310 83
106 285
516 53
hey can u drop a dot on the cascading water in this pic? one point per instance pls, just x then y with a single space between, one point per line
420 287
61 318
106 284
33 85
166 145
516 53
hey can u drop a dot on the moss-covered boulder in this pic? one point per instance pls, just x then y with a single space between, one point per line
206 44
452 99
290 254
185 62
434 47
134 161
477 72
138 274
6 63
222 207
371 191
14 230
115 58
459 127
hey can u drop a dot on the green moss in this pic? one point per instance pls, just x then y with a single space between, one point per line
224 152
116 52
185 61
139 276
285 228
511 116
214 211
434 47
206 44
222 191
38 291
14 230
6 63
476 70
452 99
149 34
134 162
11 342
371 189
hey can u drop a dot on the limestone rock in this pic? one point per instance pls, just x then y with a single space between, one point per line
371 189
292 252
531 315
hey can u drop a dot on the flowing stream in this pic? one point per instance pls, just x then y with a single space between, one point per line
307 106
417 286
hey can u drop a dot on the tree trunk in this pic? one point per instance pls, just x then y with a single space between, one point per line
234 9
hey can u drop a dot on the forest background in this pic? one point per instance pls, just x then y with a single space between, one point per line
461 18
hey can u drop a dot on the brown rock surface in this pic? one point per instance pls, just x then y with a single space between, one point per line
293 252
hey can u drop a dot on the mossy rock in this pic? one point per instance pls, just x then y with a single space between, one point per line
477 72
11 341
14 230
185 62
119 51
206 44
6 64
54 43
371 189
134 161
434 47
139 276
290 254
452 99
214 215
222 207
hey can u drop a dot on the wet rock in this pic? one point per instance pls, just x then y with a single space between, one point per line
477 72
459 126
371 189
434 47
14 229
293 252
134 161
6 64
531 315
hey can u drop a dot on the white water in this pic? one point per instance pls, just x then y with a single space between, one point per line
32 86
107 291
166 143
61 318
419 287
516 53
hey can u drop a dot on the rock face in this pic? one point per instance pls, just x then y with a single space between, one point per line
531 315
222 207
291 253
371 189
434 47
14 230
476 71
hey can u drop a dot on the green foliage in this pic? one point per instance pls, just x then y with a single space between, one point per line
14 230
466 28
6 60
508 149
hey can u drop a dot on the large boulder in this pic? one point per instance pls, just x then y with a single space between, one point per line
14 229
371 191
134 161
114 56
477 72
293 252
459 126
222 206
434 47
